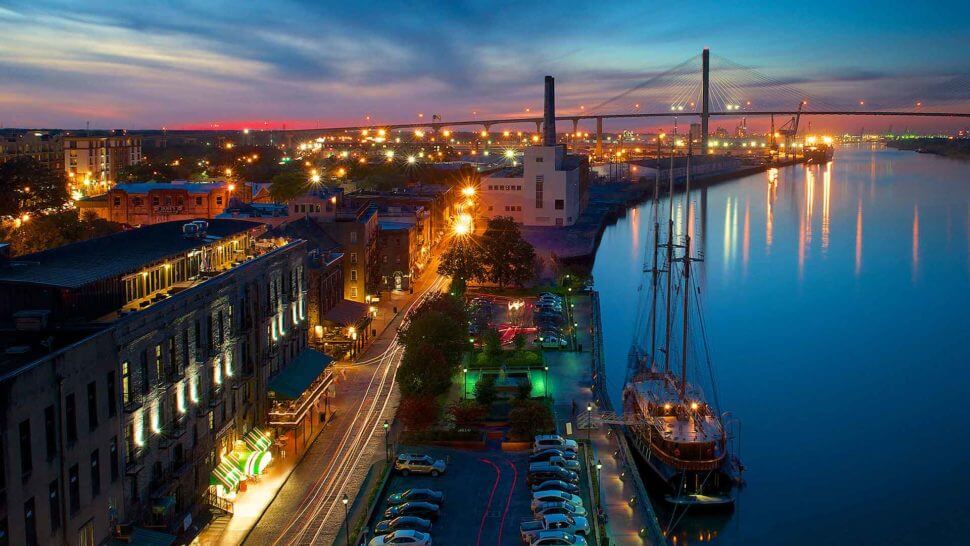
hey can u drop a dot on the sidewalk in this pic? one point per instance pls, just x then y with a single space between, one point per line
570 377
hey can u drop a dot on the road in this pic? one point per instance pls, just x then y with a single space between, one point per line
308 509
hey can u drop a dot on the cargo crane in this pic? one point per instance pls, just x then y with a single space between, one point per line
790 129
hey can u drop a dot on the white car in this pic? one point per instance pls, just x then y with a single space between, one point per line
549 508
569 464
529 530
409 463
552 495
546 441
558 538
405 537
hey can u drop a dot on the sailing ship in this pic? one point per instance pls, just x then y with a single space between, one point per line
680 435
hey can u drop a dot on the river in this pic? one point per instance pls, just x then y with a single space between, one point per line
837 306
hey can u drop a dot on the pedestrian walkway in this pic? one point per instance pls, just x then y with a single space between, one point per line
570 379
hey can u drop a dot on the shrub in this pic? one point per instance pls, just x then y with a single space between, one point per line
485 390
418 413
467 414
529 418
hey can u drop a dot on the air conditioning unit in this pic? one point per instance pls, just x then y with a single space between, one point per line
190 231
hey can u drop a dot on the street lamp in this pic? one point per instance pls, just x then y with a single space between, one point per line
464 386
589 420
546 381
387 448
599 486
345 500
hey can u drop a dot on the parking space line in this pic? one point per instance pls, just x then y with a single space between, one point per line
508 501
498 475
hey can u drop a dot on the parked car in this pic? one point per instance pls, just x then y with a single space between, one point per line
571 464
551 495
549 508
408 463
408 537
540 472
399 523
416 494
554 441
558 538
558 485
426 510
550 296
530 530
545 454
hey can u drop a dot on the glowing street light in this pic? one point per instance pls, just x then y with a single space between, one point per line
468 191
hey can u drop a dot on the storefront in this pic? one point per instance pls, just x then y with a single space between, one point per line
344 331
245 463
301 396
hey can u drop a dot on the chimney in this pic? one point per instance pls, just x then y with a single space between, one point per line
549 114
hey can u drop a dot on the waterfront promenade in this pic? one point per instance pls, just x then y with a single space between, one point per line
571 381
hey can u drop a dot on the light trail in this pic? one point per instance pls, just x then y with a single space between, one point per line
318 506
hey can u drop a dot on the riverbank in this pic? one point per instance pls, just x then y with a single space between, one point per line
945 147
576 245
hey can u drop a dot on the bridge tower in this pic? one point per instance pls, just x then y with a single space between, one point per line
599 136
705 98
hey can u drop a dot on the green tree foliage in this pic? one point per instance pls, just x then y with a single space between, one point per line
524 390
485 390
27 186
529 418
509 259
467 414
418 413
53 230
145 171
462 260
424 371
289 184
518 341
492 343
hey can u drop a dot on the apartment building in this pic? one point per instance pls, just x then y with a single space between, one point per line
158 349
46 148
92 163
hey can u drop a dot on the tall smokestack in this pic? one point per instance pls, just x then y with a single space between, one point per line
549 114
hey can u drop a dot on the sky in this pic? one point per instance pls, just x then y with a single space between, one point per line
235 64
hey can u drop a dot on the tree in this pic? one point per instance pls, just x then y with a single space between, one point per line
485 390
492 343
145 171
437 329
462 261
287 185
509 259
524 390
418 413
424 371
27 186
468 414
58 229
530 418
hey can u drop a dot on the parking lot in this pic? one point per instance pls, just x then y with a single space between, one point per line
540 321
485 495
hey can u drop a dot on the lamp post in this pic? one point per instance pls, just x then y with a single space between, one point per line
589 420
387 448
345 500
464 386
599 488
546 381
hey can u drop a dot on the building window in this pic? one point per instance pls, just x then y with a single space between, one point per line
30 523
353 257
55 506
540 181
558 221
125 384
353 291
71 410
95 473
198 201
85 537
117 201
539 159
159 373
50 432
112 403
560 204
218 199
155 201
113 455
74 489
26 456
353 237
92 405
353 275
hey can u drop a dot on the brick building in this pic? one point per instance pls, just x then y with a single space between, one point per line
146 203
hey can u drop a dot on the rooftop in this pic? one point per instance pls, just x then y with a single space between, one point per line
78 264
191 187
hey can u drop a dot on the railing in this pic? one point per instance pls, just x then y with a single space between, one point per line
218 503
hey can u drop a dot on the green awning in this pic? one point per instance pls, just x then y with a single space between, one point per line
226 475
257 440
293 380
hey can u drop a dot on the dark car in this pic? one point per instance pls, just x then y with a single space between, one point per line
426 510
557 485
552 473
413 523
546 454
415 494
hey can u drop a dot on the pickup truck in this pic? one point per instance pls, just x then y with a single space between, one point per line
576 525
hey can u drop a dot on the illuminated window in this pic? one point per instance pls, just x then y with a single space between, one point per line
125 384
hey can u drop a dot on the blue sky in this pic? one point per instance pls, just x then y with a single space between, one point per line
195 64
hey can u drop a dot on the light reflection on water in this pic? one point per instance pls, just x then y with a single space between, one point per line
837 301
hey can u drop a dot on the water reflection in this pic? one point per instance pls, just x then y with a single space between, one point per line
802 343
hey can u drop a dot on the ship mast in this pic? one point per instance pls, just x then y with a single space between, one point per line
656 267
683 352
670 258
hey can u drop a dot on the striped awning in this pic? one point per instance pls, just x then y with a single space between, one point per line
227 475
257 440
253 463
